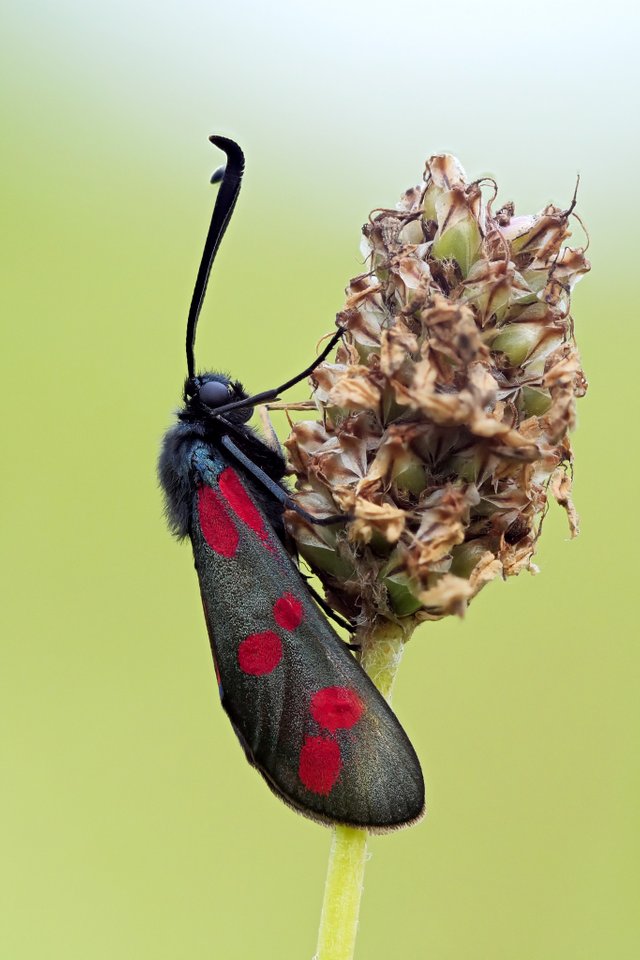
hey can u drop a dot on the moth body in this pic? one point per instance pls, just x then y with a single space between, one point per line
308 716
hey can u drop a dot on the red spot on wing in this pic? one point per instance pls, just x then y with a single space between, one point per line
218 529
336 708
288 612
320 764
260 653
242 504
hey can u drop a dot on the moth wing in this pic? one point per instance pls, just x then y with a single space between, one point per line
309 717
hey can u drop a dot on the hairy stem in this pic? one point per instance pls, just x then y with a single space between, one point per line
381 652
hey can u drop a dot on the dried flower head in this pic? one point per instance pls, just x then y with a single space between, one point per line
444 420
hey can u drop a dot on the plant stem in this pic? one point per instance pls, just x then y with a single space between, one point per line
342 894
381 653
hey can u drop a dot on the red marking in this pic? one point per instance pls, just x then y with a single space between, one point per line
217 526
288 612
260 653
320 764
242 504
336 708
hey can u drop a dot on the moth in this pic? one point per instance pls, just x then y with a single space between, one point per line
307 715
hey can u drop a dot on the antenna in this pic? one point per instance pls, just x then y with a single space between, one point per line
225 202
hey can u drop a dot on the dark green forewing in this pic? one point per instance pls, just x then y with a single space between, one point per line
309 717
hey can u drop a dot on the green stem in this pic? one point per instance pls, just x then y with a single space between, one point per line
381 654
342 894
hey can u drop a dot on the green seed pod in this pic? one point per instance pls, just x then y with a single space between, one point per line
466 556
535 402
402 594
325 561
518 340
460 242
412 478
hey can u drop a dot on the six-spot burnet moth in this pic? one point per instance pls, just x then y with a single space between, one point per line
307 715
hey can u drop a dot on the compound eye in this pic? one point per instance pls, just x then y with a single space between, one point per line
214 393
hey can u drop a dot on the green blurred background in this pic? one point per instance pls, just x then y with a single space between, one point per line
131 826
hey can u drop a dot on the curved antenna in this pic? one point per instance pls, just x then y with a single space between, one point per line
225 202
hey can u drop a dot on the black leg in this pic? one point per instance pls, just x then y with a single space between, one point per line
267 395
276 490
324 606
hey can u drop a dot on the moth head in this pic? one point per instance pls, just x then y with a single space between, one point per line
208 392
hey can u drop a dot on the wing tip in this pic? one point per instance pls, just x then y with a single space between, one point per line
413 816
412 821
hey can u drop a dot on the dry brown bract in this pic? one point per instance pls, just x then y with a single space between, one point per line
445 418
